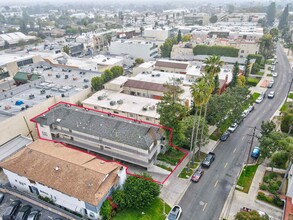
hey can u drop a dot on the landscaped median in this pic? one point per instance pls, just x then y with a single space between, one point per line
246 178
186 175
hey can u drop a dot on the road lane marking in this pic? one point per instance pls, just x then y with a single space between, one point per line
225 165
204 207
216 183
234 150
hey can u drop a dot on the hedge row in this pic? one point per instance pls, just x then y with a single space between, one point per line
215 50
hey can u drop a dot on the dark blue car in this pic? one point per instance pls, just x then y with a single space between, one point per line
255 152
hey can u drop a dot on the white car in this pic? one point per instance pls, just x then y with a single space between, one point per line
233 127
175 213
250 108
275 74
271 95
259 99
245 113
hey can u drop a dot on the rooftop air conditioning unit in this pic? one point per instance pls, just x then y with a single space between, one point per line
120 101
144 108
100 97
112 103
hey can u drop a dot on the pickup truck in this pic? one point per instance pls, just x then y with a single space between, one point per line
208 160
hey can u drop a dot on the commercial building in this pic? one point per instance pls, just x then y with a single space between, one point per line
74 180
135 49
161 33
14 38
196 19
102 133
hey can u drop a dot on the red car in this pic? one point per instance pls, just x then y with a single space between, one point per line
197 175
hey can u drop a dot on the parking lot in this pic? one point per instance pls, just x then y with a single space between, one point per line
45 214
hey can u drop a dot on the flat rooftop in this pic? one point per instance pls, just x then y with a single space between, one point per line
13 145
7 58
124 102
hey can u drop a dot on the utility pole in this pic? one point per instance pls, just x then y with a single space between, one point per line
251 144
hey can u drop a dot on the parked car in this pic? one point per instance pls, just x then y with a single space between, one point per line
1 197
245 113
175 213
11 210
23 212
233 127
275 74
270 85
259 100
34 215
197 175
208 160
250 108
225 136
271 95
255 152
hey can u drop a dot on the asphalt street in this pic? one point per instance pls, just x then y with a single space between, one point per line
205 200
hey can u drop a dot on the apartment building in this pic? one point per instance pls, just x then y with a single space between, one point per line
160 33
74 180
103 133
135 49
172 66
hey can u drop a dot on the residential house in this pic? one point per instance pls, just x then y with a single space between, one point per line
77 181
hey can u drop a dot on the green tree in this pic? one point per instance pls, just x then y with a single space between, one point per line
267 127
97 83
287 123
235 75
172 111
139 61
108 75
217 84
166 47
116 71
186 38
241 80
66 49
280 158
253 215
179 36
271 13
187 124
247 67
283 22
140 192
214 19
275 34
266 45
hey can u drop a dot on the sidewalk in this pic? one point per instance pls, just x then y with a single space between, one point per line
237 200
175 187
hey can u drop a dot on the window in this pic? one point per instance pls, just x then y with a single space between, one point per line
116 112
242 51
147 118
131 115
44 133
95 107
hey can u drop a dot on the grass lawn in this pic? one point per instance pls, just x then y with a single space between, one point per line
252 81
184 174
284 107
269 74
172 156
260 73
154 212
164 167
255 96
246 177
290 96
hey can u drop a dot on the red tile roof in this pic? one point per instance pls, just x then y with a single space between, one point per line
175 65
144 85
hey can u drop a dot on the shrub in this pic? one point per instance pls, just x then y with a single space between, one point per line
106 210
272 175
277 201
279 182
263 187
273 187
257 57
266 179
119 199
215 50
252 81
261 196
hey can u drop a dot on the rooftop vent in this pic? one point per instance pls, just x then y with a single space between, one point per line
120 101
112 103
57 168
58 120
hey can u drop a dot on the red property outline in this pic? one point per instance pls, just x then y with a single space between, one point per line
118 116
